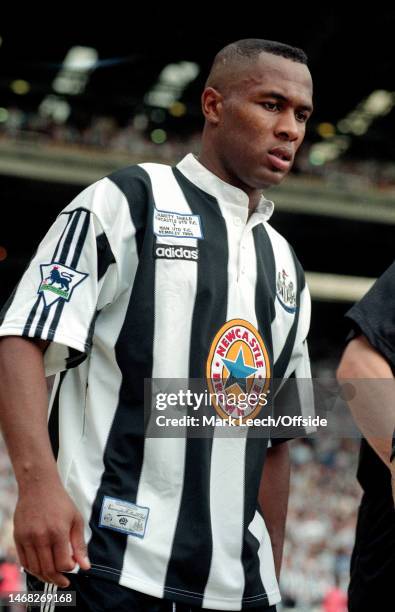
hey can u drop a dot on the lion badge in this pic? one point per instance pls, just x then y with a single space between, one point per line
58 282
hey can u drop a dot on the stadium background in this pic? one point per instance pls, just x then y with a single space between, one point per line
134 95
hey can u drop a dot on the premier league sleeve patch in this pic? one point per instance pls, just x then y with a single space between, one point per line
58 282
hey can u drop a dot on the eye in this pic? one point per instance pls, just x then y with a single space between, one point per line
302 117
271 105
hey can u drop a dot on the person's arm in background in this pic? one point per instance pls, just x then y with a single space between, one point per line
273 497
373 403
45 547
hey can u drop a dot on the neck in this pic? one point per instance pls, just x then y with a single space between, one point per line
213 163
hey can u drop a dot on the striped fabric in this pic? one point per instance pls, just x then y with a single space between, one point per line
141 310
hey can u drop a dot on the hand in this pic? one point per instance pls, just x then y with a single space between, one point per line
49 534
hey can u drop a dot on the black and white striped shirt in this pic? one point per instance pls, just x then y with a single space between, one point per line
138 278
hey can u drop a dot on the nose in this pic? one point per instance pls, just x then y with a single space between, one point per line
287 128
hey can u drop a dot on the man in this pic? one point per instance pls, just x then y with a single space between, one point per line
144 276
368 363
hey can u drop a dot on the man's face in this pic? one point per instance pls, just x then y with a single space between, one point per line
262 121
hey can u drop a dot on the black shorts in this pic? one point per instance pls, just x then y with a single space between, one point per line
372 568
97 595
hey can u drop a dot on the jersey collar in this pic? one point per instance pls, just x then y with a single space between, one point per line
200 176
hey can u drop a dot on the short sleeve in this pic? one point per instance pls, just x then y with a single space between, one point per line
71 277
374 315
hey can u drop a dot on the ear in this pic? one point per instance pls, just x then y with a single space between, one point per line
212 102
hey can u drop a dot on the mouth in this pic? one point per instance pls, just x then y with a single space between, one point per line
281 159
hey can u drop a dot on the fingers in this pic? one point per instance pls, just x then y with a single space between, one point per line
32 562
43 556
62 553
21 554
49 570
78 545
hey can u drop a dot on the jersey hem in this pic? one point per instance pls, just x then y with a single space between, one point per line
174 594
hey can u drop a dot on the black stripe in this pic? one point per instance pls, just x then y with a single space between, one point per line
135 184
192 546
105 256
80 242
62 234
254 460
123 455
69 238
46 311
53 421
33 311
265 293
89 337
66 251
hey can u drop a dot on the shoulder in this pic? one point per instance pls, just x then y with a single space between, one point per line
118 197
284 253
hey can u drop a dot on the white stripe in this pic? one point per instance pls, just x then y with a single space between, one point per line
49 592
52 606
68 218
162 475
267 569
45 590
227 514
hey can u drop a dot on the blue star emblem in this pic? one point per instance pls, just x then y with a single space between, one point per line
238 371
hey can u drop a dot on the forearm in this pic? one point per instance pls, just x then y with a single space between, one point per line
273 498
23 412
372 398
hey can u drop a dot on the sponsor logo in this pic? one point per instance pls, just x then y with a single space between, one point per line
238 371
167 251
58 282
285 290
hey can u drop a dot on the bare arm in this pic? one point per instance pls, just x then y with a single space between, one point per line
273 498
373 405
45 548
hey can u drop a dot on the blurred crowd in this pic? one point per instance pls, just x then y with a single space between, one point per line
10 576
321 520
102 133
135 138
8 494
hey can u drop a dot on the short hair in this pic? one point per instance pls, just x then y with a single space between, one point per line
246 50
252 47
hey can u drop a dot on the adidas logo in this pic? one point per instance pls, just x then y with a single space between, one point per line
164 251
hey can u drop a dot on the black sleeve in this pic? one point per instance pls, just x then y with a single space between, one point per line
374 315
